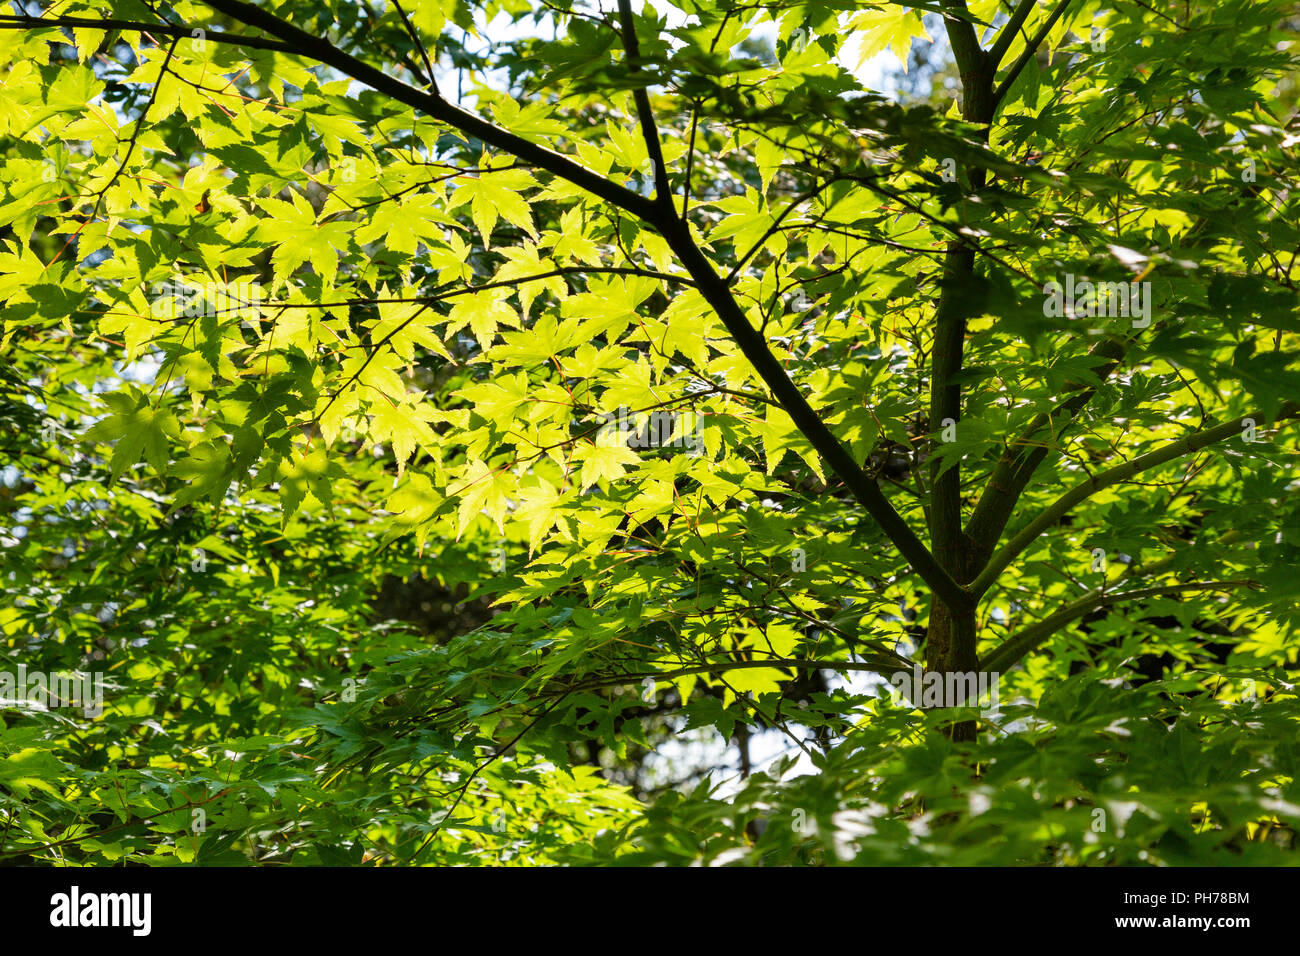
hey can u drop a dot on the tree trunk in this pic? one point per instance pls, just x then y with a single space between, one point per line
951 638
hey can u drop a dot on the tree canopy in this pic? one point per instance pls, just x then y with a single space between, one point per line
456 432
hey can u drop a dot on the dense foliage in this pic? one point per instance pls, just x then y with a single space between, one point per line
424 415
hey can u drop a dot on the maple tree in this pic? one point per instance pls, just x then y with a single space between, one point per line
722 387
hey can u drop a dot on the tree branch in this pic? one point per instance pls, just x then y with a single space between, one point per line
432 104
972 62
1111 476
882 667
645 115
415 38
716 292
961 35
1031 50
12 22
1006 654
135 133
1008 35
776 225
1022 457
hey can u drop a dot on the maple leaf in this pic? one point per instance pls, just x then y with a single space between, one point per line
604 461
407 324
889 27
414 501
135 427
483 489
539 509
496 195
404 425
482 312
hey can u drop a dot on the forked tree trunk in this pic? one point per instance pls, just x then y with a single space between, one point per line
951 639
